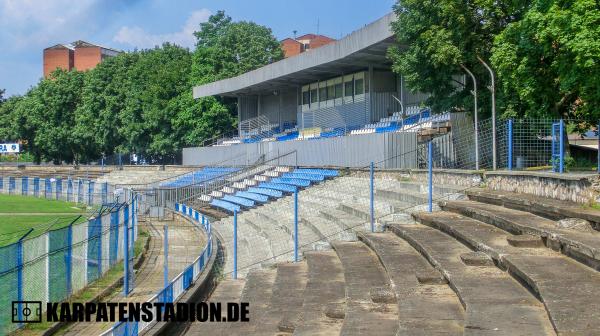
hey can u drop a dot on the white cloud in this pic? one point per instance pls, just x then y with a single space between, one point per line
139 38
27 23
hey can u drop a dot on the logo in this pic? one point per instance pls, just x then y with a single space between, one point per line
27 311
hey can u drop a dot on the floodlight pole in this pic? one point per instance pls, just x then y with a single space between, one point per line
474 92
492 88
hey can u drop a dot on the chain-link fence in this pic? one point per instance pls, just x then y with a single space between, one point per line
51 261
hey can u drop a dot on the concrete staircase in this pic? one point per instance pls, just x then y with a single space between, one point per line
486 263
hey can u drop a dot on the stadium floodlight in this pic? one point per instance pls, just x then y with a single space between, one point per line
474 93
492 88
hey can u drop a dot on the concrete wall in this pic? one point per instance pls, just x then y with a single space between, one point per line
389 150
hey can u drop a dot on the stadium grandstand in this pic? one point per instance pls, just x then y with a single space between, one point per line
345 88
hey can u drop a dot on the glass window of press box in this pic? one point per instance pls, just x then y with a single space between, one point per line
335 91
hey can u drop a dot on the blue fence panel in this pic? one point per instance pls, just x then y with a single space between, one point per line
90 192
47 188
60 260
69 190
12 185
94 252
114 237
80 191
126 329
188 277
36 186
1 182
59 188
24 185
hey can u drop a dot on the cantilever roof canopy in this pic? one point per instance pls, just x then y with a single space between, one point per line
362 48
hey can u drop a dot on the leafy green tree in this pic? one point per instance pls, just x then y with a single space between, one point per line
226 49
548 63
436 37
2 93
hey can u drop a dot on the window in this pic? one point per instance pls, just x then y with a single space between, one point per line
330 91
359 86
338 90
349 89
306 97
314 96
323 94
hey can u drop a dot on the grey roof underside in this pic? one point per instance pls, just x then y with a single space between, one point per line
364 47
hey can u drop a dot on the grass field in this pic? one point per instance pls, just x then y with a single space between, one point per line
20 213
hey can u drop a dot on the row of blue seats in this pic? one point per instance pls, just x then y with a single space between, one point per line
199 176
287 183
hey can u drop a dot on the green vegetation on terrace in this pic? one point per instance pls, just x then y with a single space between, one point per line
20 213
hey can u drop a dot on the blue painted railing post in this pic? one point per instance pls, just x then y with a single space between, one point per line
372 195
20 273
509 144
126 258
430 177
562 147
296 225
235 244
598 163
166 253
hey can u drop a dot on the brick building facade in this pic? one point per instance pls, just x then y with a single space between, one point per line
78 55
294 46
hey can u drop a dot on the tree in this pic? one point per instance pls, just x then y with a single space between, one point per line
435 37
226 49
548 63
2 93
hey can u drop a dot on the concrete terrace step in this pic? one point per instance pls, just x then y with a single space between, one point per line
366 279
285 309
582 246
542 206
325 292
226 291
258 292
424 308
566 287
495 304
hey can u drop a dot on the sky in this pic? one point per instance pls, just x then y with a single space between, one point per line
29 26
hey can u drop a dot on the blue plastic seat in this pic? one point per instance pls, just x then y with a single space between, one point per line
305 176
238 200
292 181
252 196
324 172
277 186
225 205
266 192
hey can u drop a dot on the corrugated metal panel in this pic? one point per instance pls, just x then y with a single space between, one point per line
389 150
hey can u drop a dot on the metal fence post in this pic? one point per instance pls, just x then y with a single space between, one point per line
509 144
562 146
296 225
598 163
372 195
69 257
126 258
166 253
430 179
235 244
20 273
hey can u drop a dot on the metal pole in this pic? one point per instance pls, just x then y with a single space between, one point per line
510 143
235 244
474 92
430 177
166 262
492 88
372 195
20 274
296 225
562 147
598 163
126 259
